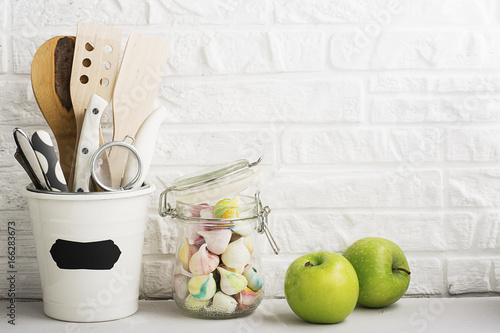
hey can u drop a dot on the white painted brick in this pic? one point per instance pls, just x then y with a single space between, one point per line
320 232
469 188
208 12
10 191
297 11
4 14
434 109
21 219
160 236
296 51
385 12
34 15
18 105
109 12
426 276
302 100
7 149
444 12
256 52
24 244
23 51
239 52
489 232
244 52
397 188
335 232
478 145
157 278
311 146
27 278
468 275
181 147
324 11
496 275
186 55
274 269
478 86
30 16
3 54
481 85
387 50
408 83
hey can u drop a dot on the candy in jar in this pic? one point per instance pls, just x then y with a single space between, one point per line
218 271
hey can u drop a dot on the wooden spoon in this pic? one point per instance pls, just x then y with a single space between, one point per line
50 80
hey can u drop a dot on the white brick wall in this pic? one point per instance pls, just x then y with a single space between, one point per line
376 118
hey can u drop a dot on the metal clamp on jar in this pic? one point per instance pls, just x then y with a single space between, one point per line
217 272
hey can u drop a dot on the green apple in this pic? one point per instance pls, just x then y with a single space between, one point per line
383 272
321 287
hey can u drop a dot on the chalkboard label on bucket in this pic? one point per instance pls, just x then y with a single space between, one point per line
99 255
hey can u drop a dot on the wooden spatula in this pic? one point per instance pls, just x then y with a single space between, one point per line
95 66
135 91
50 80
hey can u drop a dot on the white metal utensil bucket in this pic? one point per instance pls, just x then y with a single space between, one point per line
89 250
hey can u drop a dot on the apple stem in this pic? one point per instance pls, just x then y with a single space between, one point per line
308 264
402 269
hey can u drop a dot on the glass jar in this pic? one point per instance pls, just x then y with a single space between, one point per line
217 271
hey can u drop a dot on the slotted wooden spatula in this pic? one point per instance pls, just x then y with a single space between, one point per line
135 91
95 66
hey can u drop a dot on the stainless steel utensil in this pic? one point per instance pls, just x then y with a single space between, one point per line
99 169
27 154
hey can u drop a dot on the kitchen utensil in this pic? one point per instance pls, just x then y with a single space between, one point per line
50 77
22 160
145 144
89 142
98 167
135 90
44 149
30 161
95 65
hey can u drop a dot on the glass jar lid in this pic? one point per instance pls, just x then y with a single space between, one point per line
214 182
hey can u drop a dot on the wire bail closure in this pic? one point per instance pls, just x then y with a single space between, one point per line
164 208
262 227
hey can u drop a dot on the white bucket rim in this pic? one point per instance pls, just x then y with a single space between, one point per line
31 192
